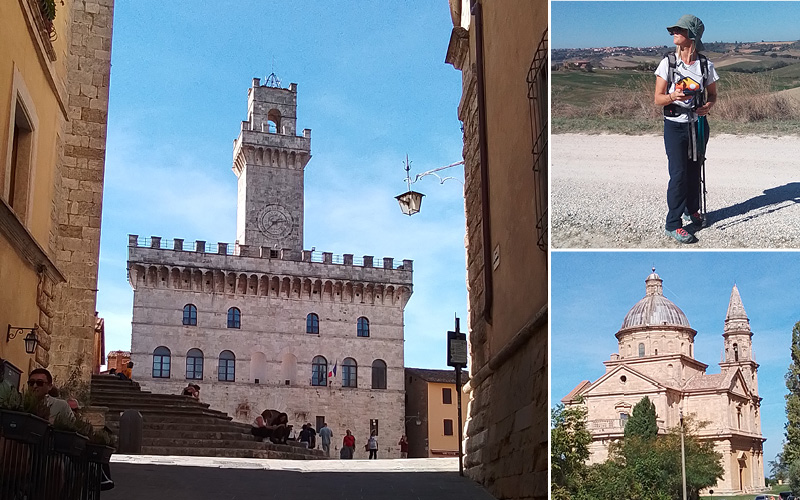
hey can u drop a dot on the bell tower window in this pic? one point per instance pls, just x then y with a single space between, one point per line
735 352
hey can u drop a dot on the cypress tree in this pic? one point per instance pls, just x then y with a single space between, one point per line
642 423
791 448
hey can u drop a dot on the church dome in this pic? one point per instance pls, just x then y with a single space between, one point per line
654 309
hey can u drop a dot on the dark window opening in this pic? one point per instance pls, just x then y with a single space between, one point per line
448 427
447 396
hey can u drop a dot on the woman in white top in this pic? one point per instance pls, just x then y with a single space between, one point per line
686 88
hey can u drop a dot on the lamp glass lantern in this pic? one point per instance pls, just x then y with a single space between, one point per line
30 342
410 202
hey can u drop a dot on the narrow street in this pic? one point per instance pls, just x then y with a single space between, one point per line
178 478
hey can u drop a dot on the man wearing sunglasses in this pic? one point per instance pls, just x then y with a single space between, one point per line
41 382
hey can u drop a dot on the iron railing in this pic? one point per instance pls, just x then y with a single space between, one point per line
537 95
39 469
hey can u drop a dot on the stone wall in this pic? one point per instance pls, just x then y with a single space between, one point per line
81 189
272 344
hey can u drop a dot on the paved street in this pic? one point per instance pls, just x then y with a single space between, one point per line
178 478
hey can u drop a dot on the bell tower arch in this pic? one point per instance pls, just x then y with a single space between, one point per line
269 159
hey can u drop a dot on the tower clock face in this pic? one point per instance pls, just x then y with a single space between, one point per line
275 221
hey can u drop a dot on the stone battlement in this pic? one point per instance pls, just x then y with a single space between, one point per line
252 270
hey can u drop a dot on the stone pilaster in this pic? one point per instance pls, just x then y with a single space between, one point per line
80 193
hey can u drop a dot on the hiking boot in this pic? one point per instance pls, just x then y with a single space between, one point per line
696 218
681 235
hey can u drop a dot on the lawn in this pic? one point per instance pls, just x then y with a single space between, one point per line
774 491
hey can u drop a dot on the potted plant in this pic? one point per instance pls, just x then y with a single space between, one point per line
23 417
69 436
100 446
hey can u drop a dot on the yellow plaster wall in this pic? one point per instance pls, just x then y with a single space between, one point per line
437 413
26 71
520 280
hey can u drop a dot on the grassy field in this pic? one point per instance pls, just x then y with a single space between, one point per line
621 101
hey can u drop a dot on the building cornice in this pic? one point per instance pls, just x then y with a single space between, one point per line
25 244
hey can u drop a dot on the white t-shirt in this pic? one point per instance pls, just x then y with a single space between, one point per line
693 73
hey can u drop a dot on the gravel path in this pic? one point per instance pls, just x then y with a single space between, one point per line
609 191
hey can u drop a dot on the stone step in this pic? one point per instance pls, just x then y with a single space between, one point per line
198 427
146 404
226 452
175 414
217 435
249 444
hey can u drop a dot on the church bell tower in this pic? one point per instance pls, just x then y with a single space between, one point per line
738 340
269 159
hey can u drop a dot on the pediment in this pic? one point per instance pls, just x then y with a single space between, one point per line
623 379
738 386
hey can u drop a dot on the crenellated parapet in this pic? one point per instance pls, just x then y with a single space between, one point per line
261 271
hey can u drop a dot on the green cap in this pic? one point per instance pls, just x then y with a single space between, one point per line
694 26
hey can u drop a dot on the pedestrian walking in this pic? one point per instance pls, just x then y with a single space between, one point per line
312 437
325 434
372 446
348 445
686 88
305 435
403 446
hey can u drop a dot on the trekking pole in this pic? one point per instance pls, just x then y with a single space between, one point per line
702 187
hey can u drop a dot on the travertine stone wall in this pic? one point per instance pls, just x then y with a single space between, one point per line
81 188
274 297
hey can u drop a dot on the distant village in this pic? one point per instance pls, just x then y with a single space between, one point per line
646 58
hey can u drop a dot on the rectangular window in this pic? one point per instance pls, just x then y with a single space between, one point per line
373 426
16 186
448 427
447 396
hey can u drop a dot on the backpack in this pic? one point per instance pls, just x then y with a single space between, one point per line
672 60
673 63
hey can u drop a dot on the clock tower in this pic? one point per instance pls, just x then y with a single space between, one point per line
269 159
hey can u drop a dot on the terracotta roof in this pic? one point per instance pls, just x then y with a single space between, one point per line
438 376
578 388
700 382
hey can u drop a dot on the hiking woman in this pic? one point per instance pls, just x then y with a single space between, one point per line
686 88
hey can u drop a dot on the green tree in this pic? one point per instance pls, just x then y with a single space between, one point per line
650 469
642 423
794 475
569 449
791 447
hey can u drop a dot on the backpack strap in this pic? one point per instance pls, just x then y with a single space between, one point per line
672 63
703 68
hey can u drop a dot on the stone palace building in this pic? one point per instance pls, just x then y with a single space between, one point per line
263 324
656 359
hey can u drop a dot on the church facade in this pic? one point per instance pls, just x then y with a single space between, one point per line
656 359
263 323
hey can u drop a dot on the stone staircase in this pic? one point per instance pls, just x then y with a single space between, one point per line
182 426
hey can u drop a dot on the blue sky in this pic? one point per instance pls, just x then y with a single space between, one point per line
372 86
593 291
640 24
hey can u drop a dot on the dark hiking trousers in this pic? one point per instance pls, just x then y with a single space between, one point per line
683 191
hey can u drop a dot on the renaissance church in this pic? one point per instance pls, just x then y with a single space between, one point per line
263 323
656 359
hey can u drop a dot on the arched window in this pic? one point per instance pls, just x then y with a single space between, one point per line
379 374
349 373
319 371
735 352
190 315
234 318
363 327
194 364
161 362
227 367
641 350
312 323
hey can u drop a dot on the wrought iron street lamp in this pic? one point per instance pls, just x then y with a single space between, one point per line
30 339
411 201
